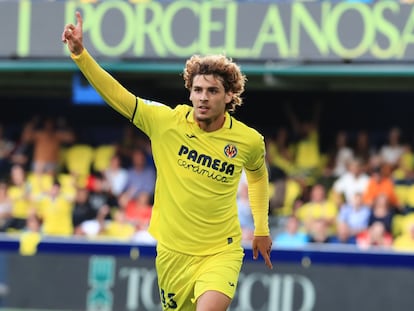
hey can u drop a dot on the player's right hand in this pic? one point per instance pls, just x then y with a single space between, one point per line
73 35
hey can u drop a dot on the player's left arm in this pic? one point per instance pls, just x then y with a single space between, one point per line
258 187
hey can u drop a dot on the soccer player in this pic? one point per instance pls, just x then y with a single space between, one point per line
199 152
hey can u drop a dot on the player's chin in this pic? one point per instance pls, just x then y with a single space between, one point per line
202 117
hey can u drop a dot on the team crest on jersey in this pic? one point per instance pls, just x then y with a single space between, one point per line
230 151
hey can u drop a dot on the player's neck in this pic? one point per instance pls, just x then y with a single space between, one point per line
211 125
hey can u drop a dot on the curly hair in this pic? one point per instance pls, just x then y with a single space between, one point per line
221 67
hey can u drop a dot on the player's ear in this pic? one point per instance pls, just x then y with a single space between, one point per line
228 98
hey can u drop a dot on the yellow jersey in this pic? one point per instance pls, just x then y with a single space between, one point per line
198 172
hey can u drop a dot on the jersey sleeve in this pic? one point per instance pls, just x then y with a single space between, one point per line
107 86
258 187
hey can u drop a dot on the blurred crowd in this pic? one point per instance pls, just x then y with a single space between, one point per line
353 193
55 185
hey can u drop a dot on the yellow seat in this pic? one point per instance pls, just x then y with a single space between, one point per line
78 161
409 198
397 224
402 192
293 192
407 223
67 184
102 157
40 183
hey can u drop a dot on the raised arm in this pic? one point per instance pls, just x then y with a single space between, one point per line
73 36
110 89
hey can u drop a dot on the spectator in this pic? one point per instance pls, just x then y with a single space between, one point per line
94 228
55 210
47 143
339 157
116 175
380 183
353 218
40 183
98 192
30 236
393 149
19 192
381 211
363 149
141 176
292 234
138 211
320 232
307 156
353 181
22 153
343 235
374 236
279 152
318 213
82 209
119 228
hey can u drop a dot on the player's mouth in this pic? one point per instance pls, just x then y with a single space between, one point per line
203 109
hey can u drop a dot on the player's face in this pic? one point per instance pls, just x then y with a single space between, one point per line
209 100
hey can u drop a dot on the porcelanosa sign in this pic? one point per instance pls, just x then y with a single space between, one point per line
243 30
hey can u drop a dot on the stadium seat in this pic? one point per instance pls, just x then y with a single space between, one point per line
293 192
409 199
402 191
407 222
67 184
102 157
40 183
78 161
397 224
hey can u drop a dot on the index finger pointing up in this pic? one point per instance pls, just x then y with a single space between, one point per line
79 19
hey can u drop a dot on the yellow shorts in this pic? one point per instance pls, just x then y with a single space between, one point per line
183 278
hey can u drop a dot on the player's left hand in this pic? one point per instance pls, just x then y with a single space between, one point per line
262 245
